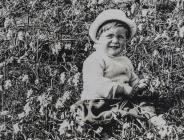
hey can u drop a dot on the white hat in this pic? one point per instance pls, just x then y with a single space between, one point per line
107 15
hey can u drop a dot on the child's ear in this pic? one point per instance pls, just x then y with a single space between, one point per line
96 45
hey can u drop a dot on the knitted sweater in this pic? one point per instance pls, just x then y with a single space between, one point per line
102 74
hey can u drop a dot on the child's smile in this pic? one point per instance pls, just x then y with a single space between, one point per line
113 41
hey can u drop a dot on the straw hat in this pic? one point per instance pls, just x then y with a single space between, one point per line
110 14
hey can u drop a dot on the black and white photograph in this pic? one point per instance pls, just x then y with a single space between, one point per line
91 69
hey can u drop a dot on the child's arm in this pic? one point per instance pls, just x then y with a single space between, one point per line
95 84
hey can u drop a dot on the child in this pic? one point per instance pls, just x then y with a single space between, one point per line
108 75
107 72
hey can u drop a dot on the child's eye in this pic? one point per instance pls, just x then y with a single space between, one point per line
121 36
110 36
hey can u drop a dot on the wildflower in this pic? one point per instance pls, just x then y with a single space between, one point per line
62 77
9 34
44 99
156 82
76 79
126 125
155 53
163 132
1 76
99 130
87 45
1 88
2 127
149 135
37 81
7 84
177 49
158 121
181 32
41 110
21 35
21 115
16 128
68 46
4 113
27 108
56 48
63 127
59 103
29 93
42 36
25 78
79 129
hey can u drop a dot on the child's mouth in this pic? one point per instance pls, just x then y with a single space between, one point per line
114 47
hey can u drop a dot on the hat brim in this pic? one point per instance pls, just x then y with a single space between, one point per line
108 15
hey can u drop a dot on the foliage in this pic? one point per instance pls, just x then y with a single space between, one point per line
43 45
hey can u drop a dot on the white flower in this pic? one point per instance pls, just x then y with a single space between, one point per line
63 127
126 125
21 115
155 53
76 79
41 110
1 88
25 78
181 32
149 135
27 108
21 35
9 34
163 132
37 81
29 93
4 113
62 77
44 99
177 49
59 103
158 121
68 46
56 48
99 130
7 84
2 127
16 128
1 76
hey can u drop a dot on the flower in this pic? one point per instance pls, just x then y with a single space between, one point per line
29 93
2 127
1 76
21 115
63 127
25 78
21 35
76 79
27 108
16 128
7 84
158 121
149 135
4 113
62 77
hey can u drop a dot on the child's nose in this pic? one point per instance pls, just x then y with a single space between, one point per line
114 39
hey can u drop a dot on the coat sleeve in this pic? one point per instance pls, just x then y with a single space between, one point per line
95 85
134 78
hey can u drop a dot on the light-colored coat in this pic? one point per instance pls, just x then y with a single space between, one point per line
102 74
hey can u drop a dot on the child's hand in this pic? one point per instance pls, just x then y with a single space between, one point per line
143 83
127 90
124 90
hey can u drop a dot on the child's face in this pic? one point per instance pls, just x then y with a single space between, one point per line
113 41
